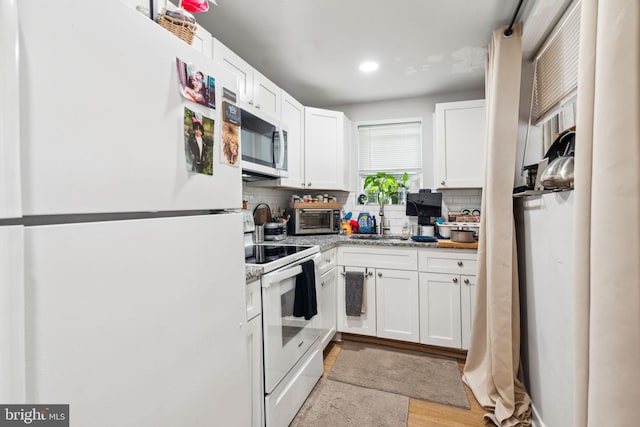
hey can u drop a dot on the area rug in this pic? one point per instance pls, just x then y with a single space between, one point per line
409 373
338 404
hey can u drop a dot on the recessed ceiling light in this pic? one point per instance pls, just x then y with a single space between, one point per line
368 66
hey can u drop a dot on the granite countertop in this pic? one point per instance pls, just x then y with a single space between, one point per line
329 241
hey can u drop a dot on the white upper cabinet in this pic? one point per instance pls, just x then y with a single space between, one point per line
460 135
324 149
254 89
266 95
203 42
292 117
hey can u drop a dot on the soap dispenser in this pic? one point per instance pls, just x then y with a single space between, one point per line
406 230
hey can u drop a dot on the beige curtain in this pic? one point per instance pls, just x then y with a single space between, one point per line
607 216
494 353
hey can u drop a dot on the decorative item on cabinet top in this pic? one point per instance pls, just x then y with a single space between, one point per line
180 23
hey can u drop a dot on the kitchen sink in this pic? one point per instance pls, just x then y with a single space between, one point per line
375 237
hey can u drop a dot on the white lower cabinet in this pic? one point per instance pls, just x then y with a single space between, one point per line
391 288
440 309
254 369
327 305
447 296
365 324
467 303
415 295
397 309
253 340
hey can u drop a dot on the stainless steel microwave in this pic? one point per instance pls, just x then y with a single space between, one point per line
263 145
313 221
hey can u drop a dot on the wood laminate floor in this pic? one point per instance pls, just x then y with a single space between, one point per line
423 413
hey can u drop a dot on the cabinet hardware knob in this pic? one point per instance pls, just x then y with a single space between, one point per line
370 273
322 284
308 184
258 106
327 260
466 281
380 274
441 182
455 280
460 264
251 102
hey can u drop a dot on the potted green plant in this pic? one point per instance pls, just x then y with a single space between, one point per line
382 185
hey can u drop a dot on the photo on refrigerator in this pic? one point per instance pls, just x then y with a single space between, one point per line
198 141
195 85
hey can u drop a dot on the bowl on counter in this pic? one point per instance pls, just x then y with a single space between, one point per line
445 229
463 236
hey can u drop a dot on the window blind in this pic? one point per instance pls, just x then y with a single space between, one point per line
390 147
556 66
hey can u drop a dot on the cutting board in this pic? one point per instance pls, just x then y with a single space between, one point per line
458 245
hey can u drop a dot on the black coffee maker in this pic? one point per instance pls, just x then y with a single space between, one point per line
424 204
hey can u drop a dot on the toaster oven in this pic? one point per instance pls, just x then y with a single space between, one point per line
313 221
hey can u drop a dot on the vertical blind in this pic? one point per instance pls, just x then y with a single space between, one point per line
556 66
390 147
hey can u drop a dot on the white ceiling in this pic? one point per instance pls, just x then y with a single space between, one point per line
312 48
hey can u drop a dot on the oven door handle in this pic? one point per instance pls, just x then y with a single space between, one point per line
279 276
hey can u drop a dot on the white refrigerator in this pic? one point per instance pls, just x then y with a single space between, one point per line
121 270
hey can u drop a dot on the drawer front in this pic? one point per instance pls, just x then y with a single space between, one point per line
254 299
392 258
456 261
328 260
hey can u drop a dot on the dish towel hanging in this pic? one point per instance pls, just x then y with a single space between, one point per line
354 293
305 302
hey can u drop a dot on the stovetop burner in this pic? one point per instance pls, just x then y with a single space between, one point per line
270 257
263 254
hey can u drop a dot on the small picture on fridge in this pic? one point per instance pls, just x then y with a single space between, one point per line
195 85
198 141
230 145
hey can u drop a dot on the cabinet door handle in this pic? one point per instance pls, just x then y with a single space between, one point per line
258 106
441 182
466 281
460 264
308 184
455 280
370 273
322 284
379 274
251 102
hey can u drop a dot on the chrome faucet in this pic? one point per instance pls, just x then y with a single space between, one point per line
381 214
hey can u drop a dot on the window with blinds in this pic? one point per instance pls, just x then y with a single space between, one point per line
394 148
556 67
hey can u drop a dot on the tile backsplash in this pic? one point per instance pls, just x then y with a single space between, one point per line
276 198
